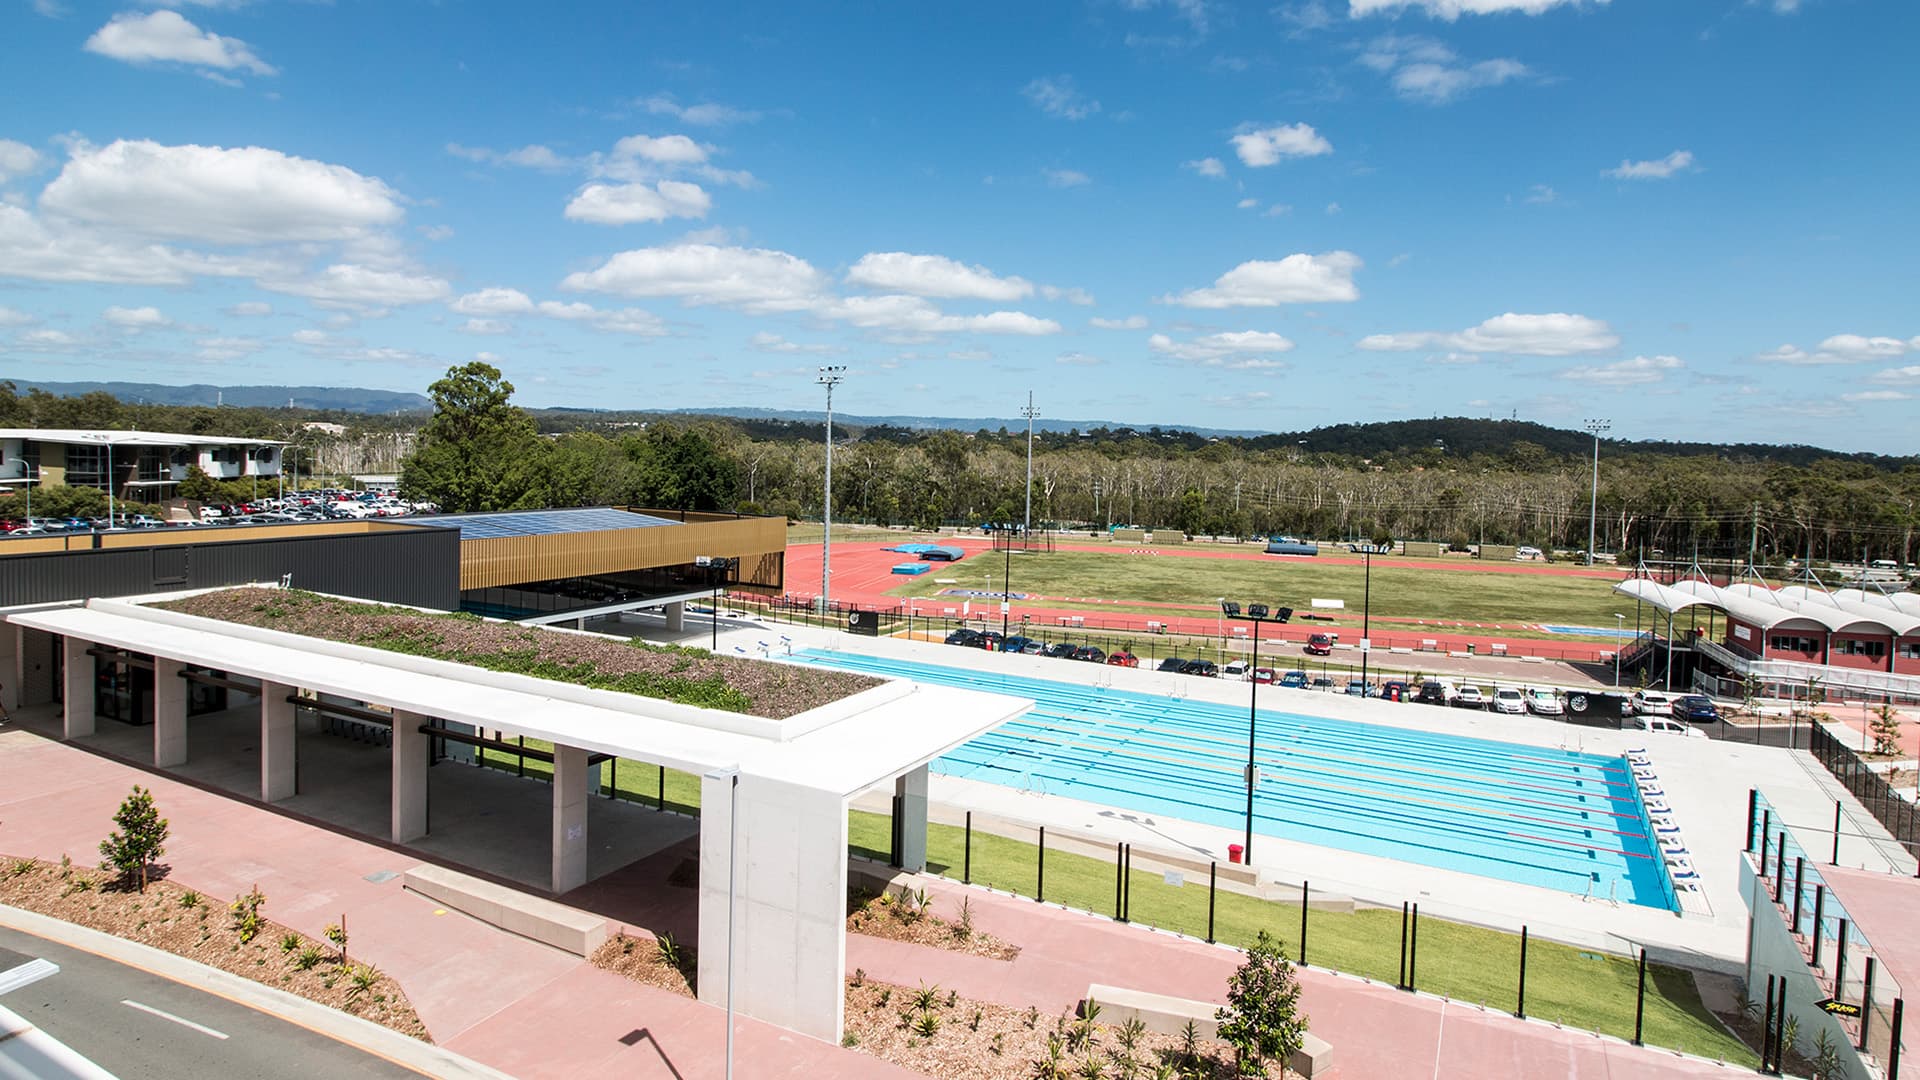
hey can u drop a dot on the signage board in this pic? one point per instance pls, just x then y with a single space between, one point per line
1838 1008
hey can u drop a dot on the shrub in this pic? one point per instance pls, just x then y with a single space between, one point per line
669 951
289 942
1886 730
925 999
309 958
360 979
337 933
132 848
191 899
1261 1019
926 1025
246 914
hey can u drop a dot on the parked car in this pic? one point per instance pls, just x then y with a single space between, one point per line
1432 692
1660 725
1542 701
1016 643
1171 663
1321 683
1294 680
990 640
1358 688
1653 703
1122 658
1393 690
964 636
1469 697
1696 709
1061 650
1235 669
1091 654
1203 668
1506 699
1319 645
1263 675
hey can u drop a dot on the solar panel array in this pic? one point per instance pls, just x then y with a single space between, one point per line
544 522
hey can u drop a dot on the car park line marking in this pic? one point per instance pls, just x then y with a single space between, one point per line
182 1021
26 974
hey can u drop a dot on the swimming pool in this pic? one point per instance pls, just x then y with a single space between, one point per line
1590 631
1561 820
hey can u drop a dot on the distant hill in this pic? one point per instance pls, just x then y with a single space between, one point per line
333 398
951 423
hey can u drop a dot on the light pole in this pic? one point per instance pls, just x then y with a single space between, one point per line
1006 592
829 377
1597 428
1258 613
1619 628
1029 412
1366 620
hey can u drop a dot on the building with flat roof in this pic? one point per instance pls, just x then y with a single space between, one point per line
140 466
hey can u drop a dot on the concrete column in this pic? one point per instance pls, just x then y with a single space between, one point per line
79 689
13 666
278 740
911 804
169 714
676 616
411 747
789 908
570 782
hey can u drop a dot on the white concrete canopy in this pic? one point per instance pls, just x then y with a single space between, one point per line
796 775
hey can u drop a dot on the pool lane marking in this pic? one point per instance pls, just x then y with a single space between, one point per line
181 1020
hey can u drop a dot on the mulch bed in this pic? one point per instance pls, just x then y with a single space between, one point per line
695 676
646 961
973 1040
171 917
904 916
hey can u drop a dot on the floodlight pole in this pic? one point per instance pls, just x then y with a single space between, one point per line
830 377
1006 592
1029 412
1366 621
1597 428
1619 627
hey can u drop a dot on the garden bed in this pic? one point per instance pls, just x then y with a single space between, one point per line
907 916
686 675
656 962
202 928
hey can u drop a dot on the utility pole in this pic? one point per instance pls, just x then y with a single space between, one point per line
829 377
1029 412
1597 428
1753 540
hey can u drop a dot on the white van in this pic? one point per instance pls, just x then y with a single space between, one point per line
1660 725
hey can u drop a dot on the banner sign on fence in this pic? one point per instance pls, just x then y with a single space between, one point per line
1330 603
1839 1008
1174 879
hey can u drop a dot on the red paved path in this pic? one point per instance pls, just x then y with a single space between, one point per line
863 574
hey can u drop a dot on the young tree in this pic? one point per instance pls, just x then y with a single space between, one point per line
1261 1019
1886 730
480 451
137 843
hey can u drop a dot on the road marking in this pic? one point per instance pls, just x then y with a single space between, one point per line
182 1021
30 972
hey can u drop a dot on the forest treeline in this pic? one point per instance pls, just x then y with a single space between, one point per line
1454 480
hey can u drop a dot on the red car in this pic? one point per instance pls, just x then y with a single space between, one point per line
1264 675
1123 658
1320 645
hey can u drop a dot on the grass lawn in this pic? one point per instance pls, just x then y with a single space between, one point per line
810 533
1580 989
1410 590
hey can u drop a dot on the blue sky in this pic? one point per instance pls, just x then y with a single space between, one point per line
1693 217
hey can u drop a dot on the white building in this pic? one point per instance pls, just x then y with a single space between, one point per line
144 466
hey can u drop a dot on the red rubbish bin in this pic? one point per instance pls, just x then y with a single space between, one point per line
1234 852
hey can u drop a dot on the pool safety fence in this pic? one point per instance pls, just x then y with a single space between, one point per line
1897 814
1840 958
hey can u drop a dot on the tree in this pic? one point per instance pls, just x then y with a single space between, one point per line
479 452
1261 1019
1886 730
138 842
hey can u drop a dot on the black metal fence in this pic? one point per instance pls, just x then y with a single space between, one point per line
1871 788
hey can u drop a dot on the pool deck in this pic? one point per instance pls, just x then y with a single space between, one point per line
1706 783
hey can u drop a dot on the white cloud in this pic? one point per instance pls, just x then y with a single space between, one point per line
912 315
167 36
1424 70
754 279
494 301
18 159
664 149
1877 395
704 115
1277 210
1078 359
10 317
1261 147
1240 349
245 195
609 320
1072 295
32 248
1555 334
1065 178
1635 372
1541 194
1296 279
353 285
1057 96
774 343
532 156
1131 322
485 326
311 337
41 340
1844 349
625 204
1453 9
250 309
1247 204
1207 166
223 349
140 318
934 275
1660 169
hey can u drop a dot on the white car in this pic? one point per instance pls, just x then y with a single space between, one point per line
1543 702
1508 700
1653 703
1469 697
1656 725
1235 669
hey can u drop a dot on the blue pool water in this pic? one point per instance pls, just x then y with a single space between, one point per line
1561 820
1590 631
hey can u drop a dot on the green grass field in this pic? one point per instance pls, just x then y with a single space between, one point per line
1579 989
1401 588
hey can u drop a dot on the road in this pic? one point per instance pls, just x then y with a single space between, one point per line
134 1024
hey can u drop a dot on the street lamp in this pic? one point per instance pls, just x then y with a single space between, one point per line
1597 428
829 377
1258 613
1619 628
1029 412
